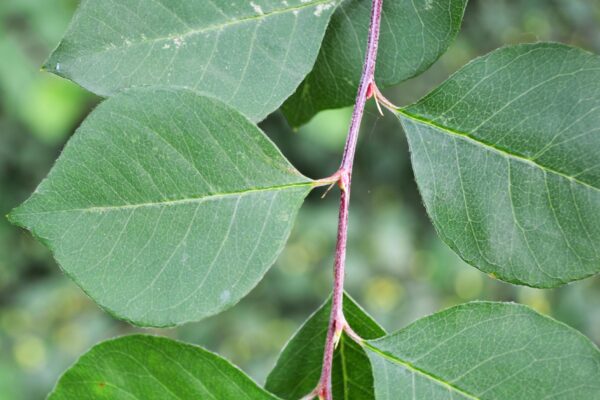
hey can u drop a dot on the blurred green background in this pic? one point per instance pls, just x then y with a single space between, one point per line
397 267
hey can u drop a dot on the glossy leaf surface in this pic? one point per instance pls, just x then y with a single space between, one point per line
166 206
506 157
151 367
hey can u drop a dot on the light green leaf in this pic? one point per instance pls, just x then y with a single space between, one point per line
487 351
506 155
298 368
166 206
152 367
250 54
414 33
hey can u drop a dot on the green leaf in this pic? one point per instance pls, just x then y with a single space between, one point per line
166 206
506 155
414 33
152 367
298 368
251 55
488 351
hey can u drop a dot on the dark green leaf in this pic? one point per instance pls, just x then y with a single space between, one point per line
487 351
506 155
151 367
298 369
414 33
250 54
166 206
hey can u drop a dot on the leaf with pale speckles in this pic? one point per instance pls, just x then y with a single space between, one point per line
249 54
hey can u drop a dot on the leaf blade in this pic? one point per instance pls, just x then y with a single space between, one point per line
485 350
232 53
413 35
149 367
521 158
168 215
298 368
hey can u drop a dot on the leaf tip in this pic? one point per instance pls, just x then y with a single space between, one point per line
52 65
12 217
15 217
47 65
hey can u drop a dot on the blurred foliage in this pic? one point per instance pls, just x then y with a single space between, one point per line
397 267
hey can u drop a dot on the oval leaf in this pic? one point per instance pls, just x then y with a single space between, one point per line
252 55
166 206
298 368
151 367
487 351
413 35
506 155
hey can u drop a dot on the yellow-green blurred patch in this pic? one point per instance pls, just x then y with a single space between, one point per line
30 352
534 298
468 283
383 293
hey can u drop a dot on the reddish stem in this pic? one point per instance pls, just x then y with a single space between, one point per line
337 322
368 77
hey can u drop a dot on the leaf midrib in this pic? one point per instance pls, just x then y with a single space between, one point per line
214 27
419 371
491 147
168 203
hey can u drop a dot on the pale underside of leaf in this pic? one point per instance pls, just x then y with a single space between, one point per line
413 35
299 365
166 206
487 351
251 55
506 157
148 367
